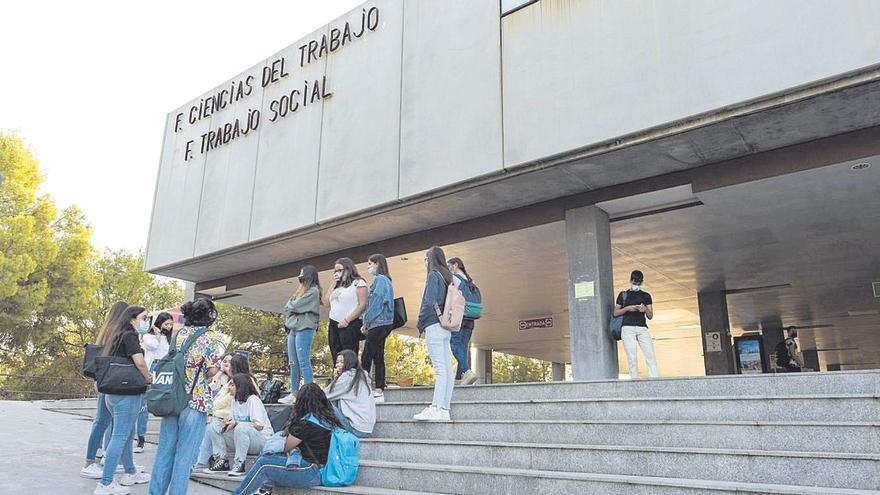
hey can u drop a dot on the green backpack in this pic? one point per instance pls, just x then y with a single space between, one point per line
167 395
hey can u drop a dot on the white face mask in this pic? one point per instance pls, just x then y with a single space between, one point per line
372 271
636 287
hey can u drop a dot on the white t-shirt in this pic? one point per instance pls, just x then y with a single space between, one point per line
252 411
155 348
343 300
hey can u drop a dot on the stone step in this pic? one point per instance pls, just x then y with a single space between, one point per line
226 483
466 480
828 383
396 478
837 470
790 436
845 408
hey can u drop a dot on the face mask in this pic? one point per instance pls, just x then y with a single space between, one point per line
301 278
372 271
636 287
337 276
143 326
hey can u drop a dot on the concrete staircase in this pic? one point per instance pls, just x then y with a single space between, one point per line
810 433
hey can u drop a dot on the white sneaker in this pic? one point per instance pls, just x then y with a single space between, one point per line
134 479
289 400
469 378
138 468
113 488
92 471
100 453
432 413
379 398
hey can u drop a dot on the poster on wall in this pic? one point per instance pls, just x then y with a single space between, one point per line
749 350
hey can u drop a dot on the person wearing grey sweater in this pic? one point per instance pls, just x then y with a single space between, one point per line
302 312
352 396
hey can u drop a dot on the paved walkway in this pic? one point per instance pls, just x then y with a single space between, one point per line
43 452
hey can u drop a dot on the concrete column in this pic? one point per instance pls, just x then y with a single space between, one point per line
590 293
483 365
715 329
558 370
811 360
771 334
189 291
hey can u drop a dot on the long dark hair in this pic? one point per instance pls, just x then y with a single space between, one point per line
380 260
437 262
244 387
308 280
461 267
160 319
310 399
239 365
110 321
199 313
350 362
349 266
122 325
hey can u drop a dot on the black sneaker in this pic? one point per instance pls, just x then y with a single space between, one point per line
237 469
219 466
140 446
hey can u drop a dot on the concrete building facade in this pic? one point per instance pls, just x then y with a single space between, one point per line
729 149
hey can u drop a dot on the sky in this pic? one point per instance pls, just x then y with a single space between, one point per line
88 86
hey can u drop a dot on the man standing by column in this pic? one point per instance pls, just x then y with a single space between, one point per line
635 305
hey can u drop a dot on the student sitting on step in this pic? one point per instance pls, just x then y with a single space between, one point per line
246 431
351 395
305 447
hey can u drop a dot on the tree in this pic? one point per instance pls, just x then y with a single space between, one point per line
508 368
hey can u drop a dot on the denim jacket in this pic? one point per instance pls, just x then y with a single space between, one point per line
380 303
435 293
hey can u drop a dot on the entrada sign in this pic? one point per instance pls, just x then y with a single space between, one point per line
536 323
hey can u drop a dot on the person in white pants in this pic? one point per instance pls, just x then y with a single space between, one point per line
636 307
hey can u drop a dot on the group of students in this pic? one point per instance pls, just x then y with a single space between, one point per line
224 411
358 311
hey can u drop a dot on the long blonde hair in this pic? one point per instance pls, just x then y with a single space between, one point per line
112 316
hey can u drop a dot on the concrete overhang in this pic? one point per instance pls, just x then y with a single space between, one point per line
828 108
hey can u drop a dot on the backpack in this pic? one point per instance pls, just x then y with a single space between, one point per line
342 457
453 309
615 327
270 391
473 300
168 395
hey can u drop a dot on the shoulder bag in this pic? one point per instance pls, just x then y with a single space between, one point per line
117 375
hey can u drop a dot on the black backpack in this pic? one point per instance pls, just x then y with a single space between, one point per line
270 391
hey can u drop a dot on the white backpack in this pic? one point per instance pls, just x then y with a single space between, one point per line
453 309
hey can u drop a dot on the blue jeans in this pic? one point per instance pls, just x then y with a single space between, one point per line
100 426
437 339
460 342
346 423
123 409
271 470
299 355
143 416
179 441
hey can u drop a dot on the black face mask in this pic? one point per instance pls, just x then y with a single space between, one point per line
301 278
165 332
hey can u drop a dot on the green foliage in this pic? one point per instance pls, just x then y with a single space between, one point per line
507 368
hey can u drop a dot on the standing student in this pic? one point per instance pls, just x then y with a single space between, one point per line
307 443
437 338
377 321
347 298
91 468
247 429
302 312
222 409
180 436
122 341
635 305
461 340
351 396
155 348
788 356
